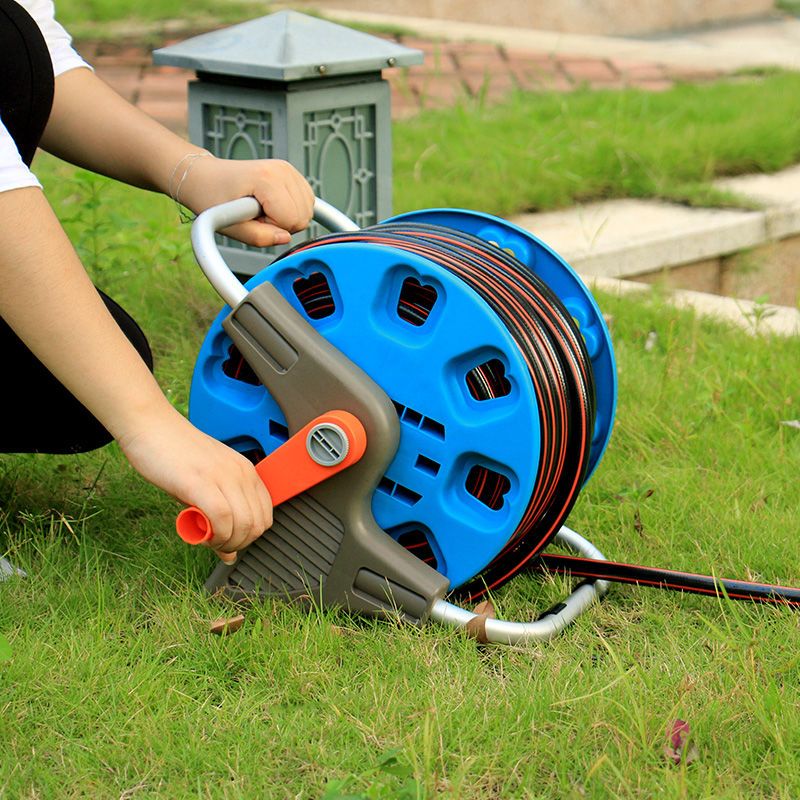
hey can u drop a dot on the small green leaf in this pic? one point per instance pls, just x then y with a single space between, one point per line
410 790
5 649
392 765
336 790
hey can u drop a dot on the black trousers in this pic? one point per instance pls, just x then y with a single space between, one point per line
38 414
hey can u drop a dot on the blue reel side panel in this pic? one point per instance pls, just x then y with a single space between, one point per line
570 289
445 432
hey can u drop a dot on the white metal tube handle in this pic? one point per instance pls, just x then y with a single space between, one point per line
504 632
216 218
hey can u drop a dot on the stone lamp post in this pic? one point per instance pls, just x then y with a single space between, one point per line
302 89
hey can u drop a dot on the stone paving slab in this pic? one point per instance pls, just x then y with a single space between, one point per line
619 238
780 195
779 188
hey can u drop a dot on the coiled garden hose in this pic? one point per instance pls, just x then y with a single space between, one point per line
554 352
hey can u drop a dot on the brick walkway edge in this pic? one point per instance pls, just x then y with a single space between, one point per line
452 72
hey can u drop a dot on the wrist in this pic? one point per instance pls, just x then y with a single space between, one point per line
177 187
149 415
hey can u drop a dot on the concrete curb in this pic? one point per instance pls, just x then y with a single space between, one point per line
643 239
620 238
753 318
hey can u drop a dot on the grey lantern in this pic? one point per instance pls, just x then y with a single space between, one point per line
302 89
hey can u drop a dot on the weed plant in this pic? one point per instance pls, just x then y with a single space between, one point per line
112 686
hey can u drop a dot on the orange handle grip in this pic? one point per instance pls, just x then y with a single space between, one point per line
291 469
193 526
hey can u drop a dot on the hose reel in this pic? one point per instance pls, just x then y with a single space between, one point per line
483 372
467 464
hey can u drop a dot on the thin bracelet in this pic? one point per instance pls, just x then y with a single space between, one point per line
176 195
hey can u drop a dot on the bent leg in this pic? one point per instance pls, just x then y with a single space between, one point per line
39 414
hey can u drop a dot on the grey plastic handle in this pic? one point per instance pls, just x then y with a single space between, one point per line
502 631
214 219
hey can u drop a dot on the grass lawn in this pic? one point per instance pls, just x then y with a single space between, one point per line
80 15
540 151
115 688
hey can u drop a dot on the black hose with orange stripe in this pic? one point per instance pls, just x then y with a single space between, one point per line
674 580
561 372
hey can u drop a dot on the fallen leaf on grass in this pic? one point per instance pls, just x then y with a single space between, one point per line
225 625
678 749
485 607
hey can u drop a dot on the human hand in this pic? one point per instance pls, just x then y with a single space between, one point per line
198 470
92 126
284 194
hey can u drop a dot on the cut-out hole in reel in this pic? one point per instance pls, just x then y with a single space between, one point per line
427 465
237 368
487 486
254 454
416 542
248 447
488 381
314 294
278 430
399 492
416 301
418 420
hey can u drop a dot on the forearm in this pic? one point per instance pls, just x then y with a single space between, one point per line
92 126
49 301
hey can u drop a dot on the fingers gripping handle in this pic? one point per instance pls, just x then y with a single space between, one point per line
331 218
216 218
328 444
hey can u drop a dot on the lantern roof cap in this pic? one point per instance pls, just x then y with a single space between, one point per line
286 46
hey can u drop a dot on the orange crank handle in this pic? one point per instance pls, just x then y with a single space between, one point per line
328 444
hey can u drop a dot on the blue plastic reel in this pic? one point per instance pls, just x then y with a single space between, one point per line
445 431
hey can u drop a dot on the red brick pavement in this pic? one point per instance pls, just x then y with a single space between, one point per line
452 72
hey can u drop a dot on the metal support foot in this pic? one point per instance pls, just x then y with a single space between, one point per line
501 631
